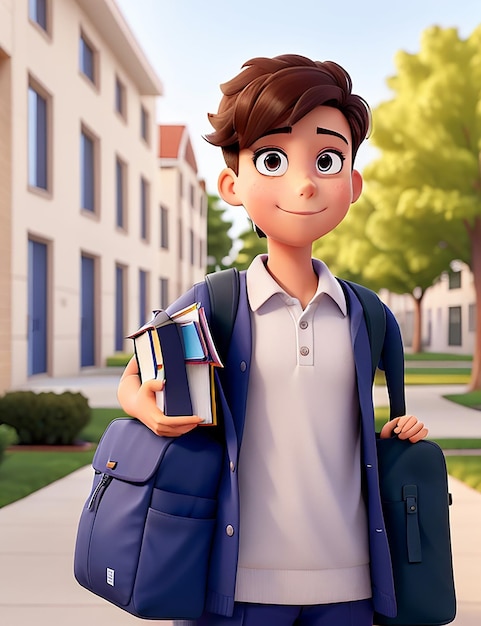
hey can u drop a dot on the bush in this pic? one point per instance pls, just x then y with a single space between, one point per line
45 418
8 437
119 359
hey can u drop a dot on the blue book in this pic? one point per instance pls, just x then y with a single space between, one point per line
193 348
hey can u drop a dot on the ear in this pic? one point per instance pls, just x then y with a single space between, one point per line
356 185
226 187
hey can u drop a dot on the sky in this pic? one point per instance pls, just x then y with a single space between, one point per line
195 45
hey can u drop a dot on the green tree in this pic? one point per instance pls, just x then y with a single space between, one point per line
252 245
380 249
219 243
429 135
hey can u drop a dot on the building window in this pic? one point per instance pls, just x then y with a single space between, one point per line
37 139
164 292
121 193
164 228
120 98
120 300
181 185
180 235
87 59
88 310
37 12
454 280
88 163
144 125
192 246
144 209
192 196
143 288
455 327
201 253
472 318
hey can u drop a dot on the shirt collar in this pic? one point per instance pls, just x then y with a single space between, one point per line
261 286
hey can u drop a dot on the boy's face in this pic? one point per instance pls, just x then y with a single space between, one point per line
297 183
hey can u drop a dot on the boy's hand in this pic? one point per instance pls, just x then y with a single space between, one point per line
405 427
147 411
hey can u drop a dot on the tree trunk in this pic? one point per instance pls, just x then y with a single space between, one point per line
417 325
475 239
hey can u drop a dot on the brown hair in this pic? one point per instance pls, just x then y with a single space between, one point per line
271 93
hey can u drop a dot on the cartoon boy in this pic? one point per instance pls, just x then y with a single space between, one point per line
300 537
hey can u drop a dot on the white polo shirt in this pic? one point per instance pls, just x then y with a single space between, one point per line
303 526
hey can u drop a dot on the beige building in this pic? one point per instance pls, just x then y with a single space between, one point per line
448 313
83 251
183 213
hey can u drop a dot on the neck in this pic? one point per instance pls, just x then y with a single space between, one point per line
292 269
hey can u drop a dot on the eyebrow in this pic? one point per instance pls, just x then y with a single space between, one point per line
327 131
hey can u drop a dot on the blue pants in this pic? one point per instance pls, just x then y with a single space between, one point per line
359 613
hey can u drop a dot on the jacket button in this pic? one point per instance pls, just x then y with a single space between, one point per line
304 324
304 351
232 466
229 530
243 366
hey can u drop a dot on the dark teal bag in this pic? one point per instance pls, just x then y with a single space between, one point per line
415 500
413 477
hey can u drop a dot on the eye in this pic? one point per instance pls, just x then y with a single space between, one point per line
270 162
330 162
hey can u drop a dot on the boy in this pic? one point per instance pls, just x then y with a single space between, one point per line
306 545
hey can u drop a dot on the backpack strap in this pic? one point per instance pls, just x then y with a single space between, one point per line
223 288
375 317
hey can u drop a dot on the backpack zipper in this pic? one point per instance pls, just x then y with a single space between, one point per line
99 490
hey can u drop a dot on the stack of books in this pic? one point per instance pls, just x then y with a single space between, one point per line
180 349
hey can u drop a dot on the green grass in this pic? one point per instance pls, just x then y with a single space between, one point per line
437 356
431 376
435 371
466 468
470 399
438 378
25 471
101 418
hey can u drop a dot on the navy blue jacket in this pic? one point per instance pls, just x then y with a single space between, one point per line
233 391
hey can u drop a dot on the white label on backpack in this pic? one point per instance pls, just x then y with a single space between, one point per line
110 576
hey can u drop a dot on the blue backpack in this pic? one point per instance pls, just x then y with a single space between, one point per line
145 532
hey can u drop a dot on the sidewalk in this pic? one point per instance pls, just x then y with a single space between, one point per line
37 534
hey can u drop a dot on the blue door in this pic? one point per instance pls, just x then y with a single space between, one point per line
37 308
87 313
119 308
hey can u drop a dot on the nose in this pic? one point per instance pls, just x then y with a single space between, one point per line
307 187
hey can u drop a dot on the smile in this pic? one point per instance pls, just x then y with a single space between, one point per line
300 212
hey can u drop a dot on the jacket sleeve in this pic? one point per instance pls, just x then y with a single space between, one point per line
197 293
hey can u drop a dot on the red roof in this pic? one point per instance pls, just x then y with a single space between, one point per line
170 139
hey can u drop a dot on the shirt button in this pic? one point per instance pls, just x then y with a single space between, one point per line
304 351
229 530
304 324
243 366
